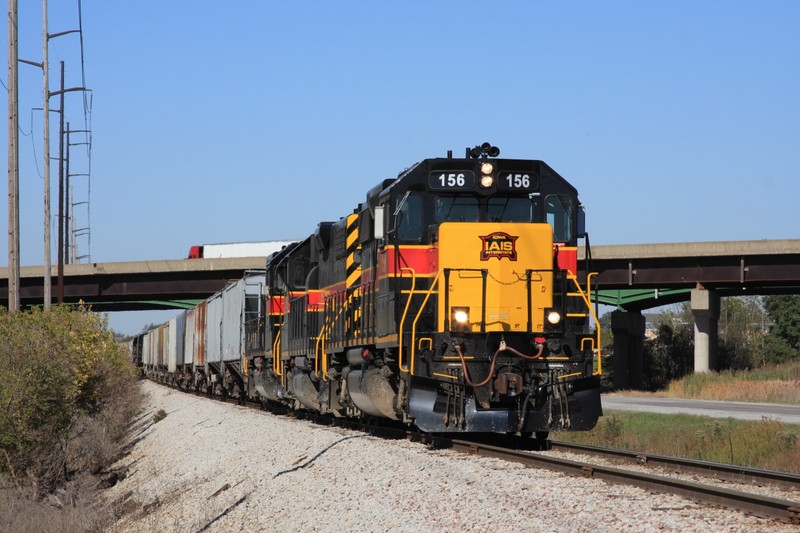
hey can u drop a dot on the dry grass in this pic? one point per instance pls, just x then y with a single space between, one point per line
787 392
777 384
93 443
65 511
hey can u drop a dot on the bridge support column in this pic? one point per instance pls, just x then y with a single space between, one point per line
628 329
705 308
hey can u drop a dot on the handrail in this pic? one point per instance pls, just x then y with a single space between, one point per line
402 323
319 354
419 314
410 367
276 355
588 302
319 348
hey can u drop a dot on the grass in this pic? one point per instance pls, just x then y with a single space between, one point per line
760 444
773 384
778 384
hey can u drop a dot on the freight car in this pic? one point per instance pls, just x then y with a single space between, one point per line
450 299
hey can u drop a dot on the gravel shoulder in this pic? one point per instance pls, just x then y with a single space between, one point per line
210 466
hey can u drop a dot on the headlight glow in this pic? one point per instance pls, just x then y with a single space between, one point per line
487 168
554 317
461 317
487 181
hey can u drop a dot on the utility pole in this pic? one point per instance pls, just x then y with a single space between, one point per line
61 192
13 161
67 200
48 282
71 246
61 134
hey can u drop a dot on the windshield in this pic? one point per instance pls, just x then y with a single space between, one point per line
456 209
508 209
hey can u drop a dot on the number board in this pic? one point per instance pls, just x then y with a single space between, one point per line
451 180
518 181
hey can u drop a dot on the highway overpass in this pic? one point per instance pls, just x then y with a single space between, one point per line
135 285
633 277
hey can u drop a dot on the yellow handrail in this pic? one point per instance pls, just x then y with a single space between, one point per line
410 367
319 354
319 347
419 314
588 302
276 355
403 320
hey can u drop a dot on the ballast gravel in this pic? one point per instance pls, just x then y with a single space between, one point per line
209 466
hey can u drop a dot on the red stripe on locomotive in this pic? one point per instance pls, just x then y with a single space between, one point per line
276 305
423 259
566 257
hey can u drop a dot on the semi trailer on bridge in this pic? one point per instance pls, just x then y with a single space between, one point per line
236 249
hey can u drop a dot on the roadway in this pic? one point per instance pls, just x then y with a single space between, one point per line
788 414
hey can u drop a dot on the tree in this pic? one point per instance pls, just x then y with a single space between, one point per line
669 355
783 340
607 338
741 332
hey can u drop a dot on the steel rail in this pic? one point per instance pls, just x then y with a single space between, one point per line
764 506
727 472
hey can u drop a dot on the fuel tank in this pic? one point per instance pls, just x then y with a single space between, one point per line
371 391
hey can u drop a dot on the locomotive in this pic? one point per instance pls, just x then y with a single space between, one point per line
450 299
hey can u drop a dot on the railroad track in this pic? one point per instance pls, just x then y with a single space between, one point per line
516 449
764 506
722 471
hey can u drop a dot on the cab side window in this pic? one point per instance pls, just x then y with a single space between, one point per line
408 218
559 212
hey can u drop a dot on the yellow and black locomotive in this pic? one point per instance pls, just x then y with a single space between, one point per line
450 299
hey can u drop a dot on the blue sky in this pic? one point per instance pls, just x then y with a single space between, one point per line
253 120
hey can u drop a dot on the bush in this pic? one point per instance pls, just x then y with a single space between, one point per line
61 374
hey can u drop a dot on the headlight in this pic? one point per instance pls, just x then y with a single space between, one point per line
553 317
459 319
487 180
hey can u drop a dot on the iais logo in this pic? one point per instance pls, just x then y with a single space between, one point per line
499 245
